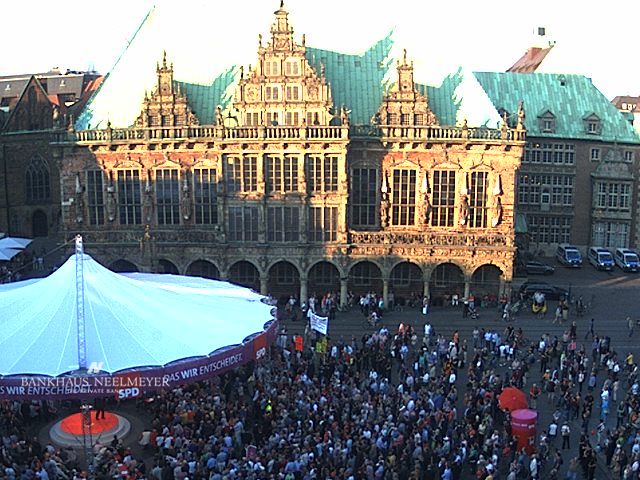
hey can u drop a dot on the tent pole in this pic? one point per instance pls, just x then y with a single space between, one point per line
82 346
87 439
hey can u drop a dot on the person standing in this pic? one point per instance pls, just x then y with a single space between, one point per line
591 330
630 325
565 432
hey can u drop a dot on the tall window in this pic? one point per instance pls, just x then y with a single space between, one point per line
323 173
403 197
292 92
243 224
364 187
95 196
283 224
272 93
252 119
529 189
271 68
205 192
242 174
610 234
168 196
37 181
129 197
549 229
283 174
292 118
444 198
323 224
478 200
292 67
613 196
557 153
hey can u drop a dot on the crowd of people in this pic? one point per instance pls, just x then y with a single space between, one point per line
398 402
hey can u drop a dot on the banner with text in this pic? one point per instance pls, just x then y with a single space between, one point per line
135 382
318 323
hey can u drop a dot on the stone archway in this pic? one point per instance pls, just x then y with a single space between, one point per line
245 274
485 282
323 278
167 266
204 269
39 224
406 282
284 280
123 266
365 277
446 279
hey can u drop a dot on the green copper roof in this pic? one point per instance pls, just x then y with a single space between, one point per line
207 72
570 98
357 81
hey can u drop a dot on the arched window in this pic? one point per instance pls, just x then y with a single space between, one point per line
37 180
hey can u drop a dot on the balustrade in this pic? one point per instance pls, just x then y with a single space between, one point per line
280 132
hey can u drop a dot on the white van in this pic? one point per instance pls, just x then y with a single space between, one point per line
600 258
626 259
568 255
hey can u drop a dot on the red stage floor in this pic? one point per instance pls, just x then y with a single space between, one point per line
73 423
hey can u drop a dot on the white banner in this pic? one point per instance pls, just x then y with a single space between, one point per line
319 324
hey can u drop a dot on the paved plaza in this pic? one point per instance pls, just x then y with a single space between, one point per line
610 297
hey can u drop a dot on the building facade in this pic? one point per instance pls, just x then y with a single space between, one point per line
284 193
578 179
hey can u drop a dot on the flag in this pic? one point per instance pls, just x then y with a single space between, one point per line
319 324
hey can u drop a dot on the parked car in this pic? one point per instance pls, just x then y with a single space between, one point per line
568 255
600 258
626 259
551 292
534 267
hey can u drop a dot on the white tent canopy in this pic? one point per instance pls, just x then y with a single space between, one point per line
132 320
14 242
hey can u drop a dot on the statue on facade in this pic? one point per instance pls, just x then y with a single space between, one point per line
426 209
186 198
147 202
384 210
55 117
79 200
145 242
497 212
504 128
464 210
520 116
219 117
344 116
111 200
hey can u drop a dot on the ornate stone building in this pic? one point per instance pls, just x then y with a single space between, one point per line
282 192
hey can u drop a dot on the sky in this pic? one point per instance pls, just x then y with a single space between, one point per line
591 39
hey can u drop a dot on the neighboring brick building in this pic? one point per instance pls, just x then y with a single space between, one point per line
578 179
32 107
313 175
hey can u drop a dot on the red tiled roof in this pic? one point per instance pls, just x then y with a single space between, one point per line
531 60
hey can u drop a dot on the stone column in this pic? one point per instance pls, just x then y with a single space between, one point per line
385 291
303 288
501 290
344 292
264 284
261 190
260 174
425 291
467 287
